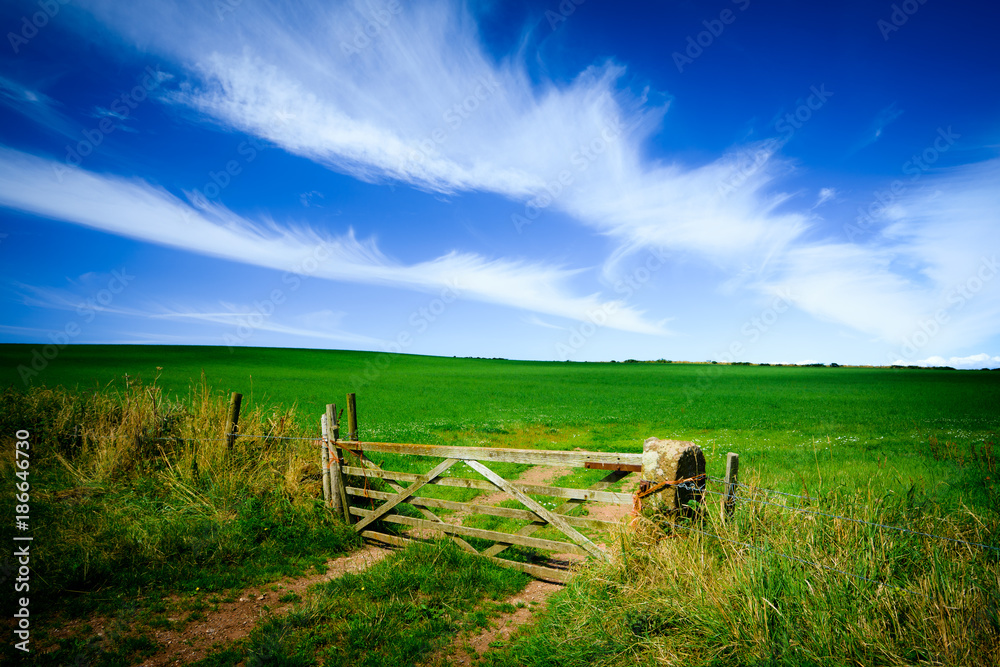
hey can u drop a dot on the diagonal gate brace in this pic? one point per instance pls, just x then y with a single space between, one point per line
562 509
403 495
542 513
368 463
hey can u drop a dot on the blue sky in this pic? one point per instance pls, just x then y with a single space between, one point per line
737 180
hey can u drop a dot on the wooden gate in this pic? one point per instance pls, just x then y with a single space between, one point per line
477 459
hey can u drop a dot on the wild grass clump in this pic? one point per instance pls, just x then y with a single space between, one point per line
132 489
777 587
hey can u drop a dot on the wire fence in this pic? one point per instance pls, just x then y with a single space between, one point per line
873 524
757 489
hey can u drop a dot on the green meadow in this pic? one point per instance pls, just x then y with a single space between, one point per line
791 425
148 516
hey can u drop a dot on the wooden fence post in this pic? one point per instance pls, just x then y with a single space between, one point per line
325 459
338 494
352 418
232 422
732 479
331 410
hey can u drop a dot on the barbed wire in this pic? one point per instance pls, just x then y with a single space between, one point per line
847 518
760 489
800 560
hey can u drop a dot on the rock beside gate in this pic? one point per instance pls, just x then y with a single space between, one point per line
670 461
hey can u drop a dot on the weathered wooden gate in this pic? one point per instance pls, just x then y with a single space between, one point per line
618 466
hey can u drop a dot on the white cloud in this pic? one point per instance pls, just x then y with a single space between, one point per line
34 105
136 209
882 120
425 104
937 262
974 361
847 284
539 322
825 195
243 322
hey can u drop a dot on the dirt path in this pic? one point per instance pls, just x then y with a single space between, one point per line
232 621
465 649
235 620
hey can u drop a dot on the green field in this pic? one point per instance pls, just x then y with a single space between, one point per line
792 425
147 516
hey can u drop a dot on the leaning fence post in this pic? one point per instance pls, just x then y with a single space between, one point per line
337 492
234 418
732 480
325 458
352 418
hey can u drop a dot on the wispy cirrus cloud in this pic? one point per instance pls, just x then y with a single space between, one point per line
883 119
539 322
135 209
935 259
35 105
316 326
426 104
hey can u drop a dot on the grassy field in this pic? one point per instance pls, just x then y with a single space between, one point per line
792 425
132 519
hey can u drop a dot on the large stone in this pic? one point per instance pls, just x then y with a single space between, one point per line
671 461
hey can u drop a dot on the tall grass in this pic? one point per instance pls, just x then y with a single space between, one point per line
131 489
778 587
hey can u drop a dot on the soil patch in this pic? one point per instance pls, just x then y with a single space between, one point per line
465 650
608 512
231 621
